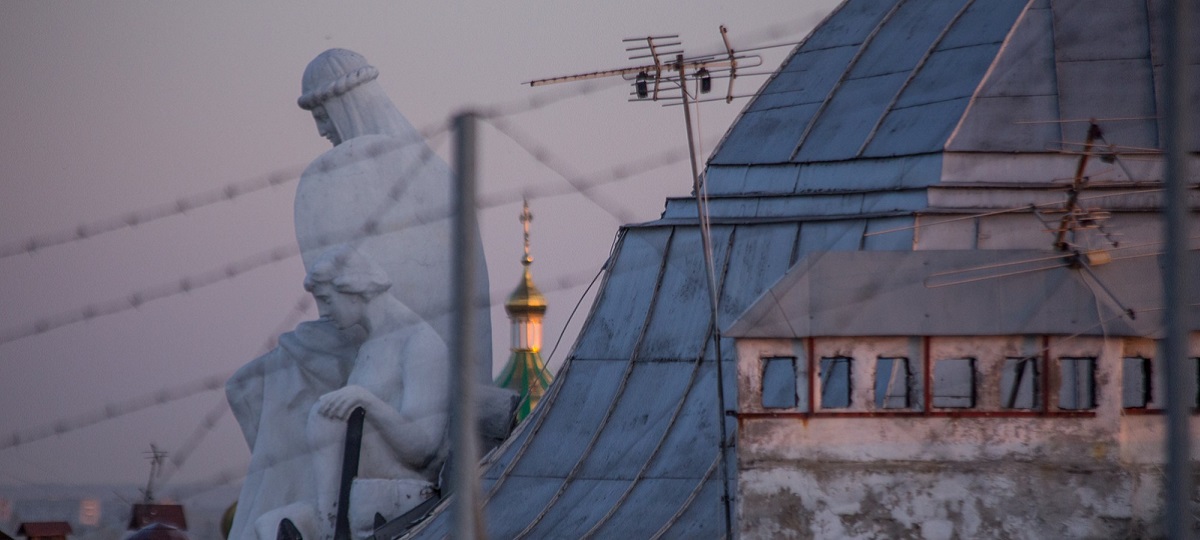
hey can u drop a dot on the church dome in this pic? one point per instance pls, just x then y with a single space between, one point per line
526 298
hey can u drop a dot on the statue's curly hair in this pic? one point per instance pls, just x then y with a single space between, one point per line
313 99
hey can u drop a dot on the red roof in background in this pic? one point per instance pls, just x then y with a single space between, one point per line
146 514
34 529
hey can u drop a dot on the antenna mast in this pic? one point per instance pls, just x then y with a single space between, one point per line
658 73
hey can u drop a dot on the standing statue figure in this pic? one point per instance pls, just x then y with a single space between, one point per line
400 377
382 190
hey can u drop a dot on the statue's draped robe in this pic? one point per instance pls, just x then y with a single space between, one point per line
271 398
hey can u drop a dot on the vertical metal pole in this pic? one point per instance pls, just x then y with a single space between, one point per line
1176 283
466 515
710 271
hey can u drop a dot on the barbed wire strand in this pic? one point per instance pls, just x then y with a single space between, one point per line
235 190
187 284
180 456
128 220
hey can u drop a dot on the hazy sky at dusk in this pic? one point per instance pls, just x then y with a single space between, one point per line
113 107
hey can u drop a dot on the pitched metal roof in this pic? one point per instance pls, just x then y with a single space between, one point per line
959 293
885 101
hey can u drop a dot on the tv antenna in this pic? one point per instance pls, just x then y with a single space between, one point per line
665 67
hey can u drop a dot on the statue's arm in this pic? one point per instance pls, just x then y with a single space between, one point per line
413 425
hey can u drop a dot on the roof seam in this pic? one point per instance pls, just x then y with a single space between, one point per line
912 74
572 474
812 122
987 75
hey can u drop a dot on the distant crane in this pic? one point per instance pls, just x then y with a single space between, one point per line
156 458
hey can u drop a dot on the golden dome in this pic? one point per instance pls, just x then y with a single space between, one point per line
526 298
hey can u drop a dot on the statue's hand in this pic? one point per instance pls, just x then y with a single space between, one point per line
339 403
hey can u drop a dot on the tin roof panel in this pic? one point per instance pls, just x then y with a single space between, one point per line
905 37
849 117
625 298
681 315
644 413
585 398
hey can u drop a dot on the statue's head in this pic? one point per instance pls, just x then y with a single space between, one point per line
330 75
343 281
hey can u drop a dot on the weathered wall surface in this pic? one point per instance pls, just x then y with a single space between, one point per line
927 472
943 500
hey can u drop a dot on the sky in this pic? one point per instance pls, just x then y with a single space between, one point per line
117 109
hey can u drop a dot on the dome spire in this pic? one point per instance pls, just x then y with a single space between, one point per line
525 373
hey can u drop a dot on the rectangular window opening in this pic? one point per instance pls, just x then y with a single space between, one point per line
893 384
1078 389
835 382
1019 384
779 383
954 383
1136 376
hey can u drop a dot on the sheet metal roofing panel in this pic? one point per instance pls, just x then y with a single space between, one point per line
1022 86
949 74
769 179
624 301
767 136
681 310
841 235
645 411
691 444
889 234
955 293
905 37
768 132
816 178
576 510
916 129
849 117
867 174
985 21
770 247
1122 30
1104 70
702 518
663 496
806 77
850 24
1108 89
579 408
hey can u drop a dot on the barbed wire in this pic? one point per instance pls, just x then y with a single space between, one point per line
188 447
187 284
128 220
236 190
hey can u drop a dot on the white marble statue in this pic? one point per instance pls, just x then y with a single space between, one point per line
382 191
401 379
